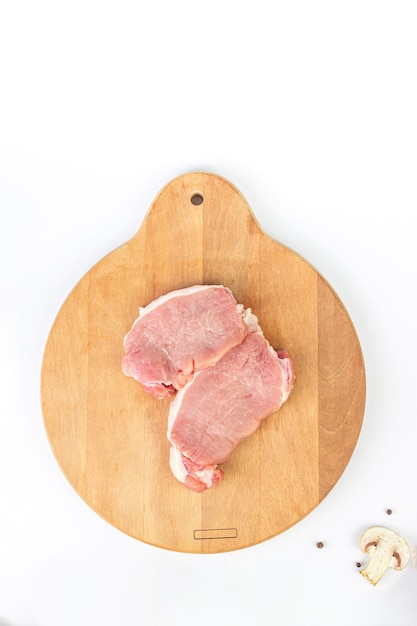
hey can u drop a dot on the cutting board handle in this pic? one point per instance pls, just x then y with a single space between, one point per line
192 197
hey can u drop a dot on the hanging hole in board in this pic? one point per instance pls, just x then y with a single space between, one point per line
197 199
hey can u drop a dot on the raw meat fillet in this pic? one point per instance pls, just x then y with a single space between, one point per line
222 405
180 333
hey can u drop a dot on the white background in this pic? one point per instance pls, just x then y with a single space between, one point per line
310 109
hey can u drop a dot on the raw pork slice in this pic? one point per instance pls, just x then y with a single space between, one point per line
182 332
224 404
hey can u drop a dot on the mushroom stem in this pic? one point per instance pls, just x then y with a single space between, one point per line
381 559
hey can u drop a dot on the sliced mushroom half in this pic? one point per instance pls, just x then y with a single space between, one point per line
386 549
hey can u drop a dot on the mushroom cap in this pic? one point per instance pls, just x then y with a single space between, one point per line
376 535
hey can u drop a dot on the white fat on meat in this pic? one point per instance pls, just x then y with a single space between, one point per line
222 405
195 478
182 332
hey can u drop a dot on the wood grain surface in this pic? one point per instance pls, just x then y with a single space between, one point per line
109 437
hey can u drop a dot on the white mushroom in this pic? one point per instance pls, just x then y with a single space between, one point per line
386 549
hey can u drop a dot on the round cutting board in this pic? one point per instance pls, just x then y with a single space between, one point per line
109 436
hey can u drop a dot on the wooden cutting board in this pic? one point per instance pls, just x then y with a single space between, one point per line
109 437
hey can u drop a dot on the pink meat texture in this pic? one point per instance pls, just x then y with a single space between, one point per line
199 344
224 404
180 333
